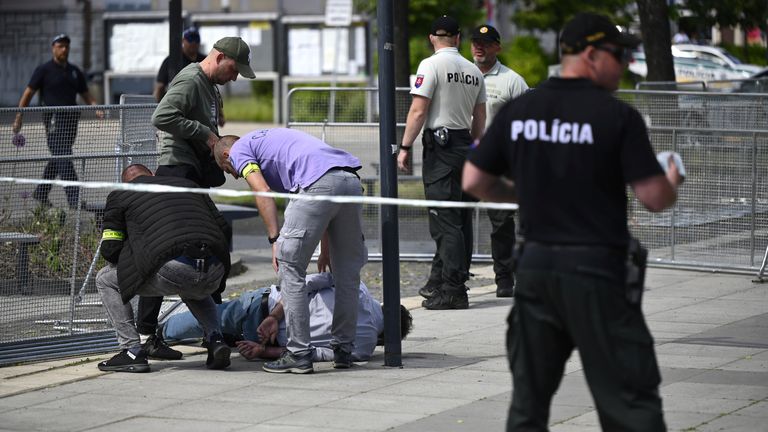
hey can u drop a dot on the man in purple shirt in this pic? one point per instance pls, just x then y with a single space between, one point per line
287 160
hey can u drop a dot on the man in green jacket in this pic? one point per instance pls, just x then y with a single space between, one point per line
188 114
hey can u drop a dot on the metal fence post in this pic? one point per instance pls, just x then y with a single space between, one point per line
752 239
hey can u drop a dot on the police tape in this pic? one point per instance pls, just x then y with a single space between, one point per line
155 188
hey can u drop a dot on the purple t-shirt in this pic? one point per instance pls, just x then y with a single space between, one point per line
288 159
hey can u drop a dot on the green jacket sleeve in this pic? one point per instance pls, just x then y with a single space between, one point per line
172 115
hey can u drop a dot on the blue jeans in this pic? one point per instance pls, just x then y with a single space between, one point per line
241 316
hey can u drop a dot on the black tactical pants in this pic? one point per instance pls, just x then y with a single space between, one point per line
502 242
450 228
61 131
568 299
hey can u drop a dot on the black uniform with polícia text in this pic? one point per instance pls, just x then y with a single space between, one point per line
571 147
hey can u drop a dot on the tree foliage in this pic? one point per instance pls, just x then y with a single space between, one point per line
730 13
553 14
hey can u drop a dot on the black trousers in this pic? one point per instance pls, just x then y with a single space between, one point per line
566 299
502 242
61 131
450 228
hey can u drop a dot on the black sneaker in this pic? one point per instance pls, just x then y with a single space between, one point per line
341 359
125 361
288 362
447 300
218 353
156 348
505 287
430 289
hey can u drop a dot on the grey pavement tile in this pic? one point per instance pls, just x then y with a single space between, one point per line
281 396
128 404
692 349
670 375
680 327
723 391
436 388
144 423
330 380
35 397
730 377
283 428
560 413
688 361
652 305
703 404
573 391
250 411
685 420
747 333
496 364
758 292
396 403
758 409
148 388
482 415
467 375
566 427
734 423
345 419
589 419
48 419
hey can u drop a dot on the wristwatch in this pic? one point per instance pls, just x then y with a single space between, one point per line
272 240
402 147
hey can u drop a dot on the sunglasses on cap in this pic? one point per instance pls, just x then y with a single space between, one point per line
621 54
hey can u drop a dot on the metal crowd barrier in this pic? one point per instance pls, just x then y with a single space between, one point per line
46 253
720 218
47 249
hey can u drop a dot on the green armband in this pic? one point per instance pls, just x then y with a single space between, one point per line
109 234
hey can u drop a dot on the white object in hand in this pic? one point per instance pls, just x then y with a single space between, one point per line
663 159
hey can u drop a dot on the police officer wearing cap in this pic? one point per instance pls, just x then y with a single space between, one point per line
569 148
449 102
502 84
59 83
190 46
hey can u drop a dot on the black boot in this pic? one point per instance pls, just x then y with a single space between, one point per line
448 298
430 289
218 353
505 287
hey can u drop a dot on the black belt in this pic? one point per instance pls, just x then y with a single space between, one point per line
199 264
346 169
607 261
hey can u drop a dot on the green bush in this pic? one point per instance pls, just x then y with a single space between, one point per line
525 56
259 107
755 54
312 106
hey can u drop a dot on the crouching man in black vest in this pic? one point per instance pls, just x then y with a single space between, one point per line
159 244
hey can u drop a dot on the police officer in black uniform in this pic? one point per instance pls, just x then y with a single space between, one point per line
570 148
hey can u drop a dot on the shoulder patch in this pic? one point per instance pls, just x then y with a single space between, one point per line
419 81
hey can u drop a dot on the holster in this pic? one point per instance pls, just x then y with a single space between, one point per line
637 260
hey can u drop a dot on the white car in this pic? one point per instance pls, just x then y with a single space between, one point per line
699 63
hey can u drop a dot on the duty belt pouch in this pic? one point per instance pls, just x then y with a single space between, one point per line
441 136
637 259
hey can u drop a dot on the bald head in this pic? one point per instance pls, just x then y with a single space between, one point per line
221 153
135 170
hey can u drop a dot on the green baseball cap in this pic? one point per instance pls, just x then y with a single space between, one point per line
236 48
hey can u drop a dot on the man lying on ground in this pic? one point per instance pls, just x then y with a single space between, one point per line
256 322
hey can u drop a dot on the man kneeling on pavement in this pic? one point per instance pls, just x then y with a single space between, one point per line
255 322
159 244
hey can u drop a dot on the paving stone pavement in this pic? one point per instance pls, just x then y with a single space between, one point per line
710 331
